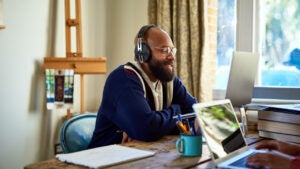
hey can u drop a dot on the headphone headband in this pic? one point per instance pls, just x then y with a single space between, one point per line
144 29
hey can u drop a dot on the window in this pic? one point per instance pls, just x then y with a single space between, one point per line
226 25
269 27
280 43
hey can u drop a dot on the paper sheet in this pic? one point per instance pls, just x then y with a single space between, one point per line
104 156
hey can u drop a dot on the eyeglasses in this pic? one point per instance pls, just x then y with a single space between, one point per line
167 50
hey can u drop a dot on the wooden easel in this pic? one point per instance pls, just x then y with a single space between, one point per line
75 60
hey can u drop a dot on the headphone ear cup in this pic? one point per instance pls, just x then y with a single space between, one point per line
144 54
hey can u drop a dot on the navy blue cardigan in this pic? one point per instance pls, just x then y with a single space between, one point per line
124 108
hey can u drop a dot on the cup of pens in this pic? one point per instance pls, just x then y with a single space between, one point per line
190 142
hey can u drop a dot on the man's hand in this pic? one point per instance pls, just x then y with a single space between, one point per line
125 138
271 159
284 147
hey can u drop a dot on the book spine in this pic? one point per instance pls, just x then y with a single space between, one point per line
52 85
279 136
292 110
48 85
279 116
278 127
59 87
49 78
69 86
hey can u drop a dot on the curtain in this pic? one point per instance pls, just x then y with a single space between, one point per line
185 21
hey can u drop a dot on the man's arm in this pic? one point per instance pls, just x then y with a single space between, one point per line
182 97
133 114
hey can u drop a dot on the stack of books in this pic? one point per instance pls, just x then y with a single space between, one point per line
280 122
251 116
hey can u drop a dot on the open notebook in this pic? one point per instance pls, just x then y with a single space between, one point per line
104 156
223 135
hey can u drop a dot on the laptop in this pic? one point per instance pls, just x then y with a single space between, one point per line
221 130
243 70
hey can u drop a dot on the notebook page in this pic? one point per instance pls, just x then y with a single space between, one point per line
104 156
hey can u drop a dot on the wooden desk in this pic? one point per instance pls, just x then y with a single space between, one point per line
166 157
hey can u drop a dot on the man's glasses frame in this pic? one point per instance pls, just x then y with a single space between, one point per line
167 50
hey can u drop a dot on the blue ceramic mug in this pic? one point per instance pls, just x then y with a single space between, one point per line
189 145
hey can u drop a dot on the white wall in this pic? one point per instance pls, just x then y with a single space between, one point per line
34 30
123 23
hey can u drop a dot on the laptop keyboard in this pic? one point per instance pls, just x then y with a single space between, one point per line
242 162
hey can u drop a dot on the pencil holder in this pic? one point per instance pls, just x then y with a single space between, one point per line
189 145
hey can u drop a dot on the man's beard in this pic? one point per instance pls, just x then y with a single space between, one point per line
158 70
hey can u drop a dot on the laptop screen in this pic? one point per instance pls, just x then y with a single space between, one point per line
241 79
220 127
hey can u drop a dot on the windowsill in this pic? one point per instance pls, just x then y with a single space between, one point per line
274 101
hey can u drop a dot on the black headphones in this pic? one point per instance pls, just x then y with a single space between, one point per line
142 50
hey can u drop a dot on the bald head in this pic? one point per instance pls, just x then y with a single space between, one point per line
152 34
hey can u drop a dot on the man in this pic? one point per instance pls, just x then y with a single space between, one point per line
141 98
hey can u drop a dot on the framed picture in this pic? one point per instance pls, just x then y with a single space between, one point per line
1 15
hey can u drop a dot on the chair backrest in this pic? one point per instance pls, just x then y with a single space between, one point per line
77 131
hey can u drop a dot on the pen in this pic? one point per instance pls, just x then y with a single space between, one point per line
182 128
193 127
185 116
187 124
179 117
